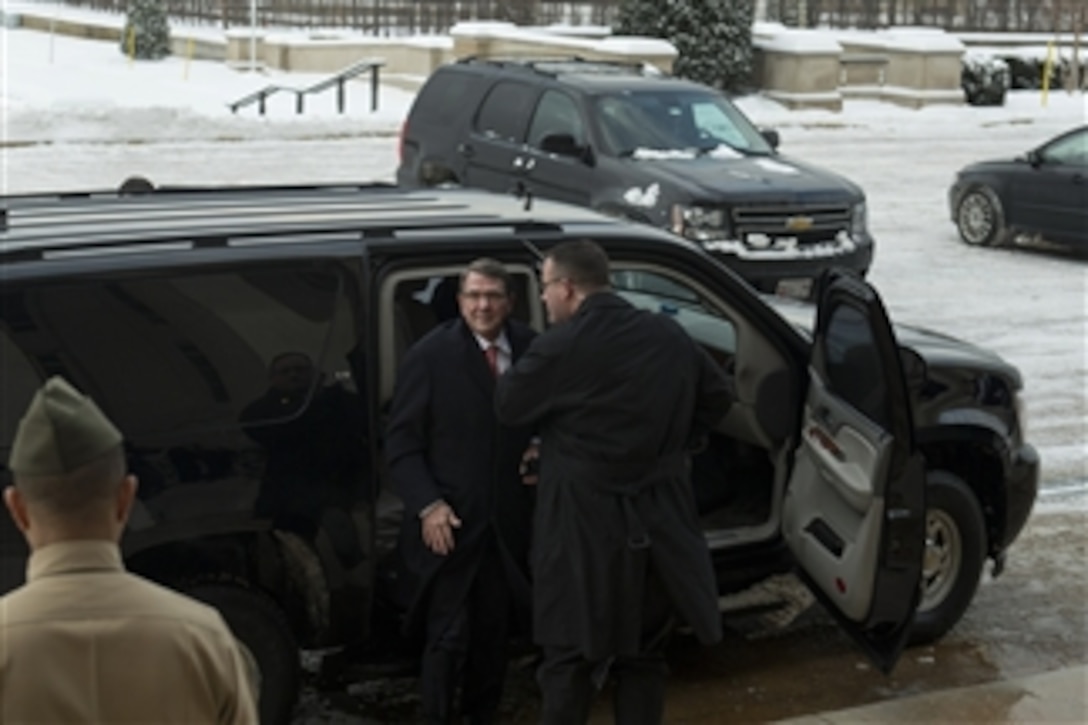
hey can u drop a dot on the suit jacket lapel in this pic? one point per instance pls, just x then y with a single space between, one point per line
472 357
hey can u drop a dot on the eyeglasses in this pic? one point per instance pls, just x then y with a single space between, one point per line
478 296
545 282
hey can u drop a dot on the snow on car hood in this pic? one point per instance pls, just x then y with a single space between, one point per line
725 171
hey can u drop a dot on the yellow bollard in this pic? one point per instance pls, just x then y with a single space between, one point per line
131 44
188 57
1047 66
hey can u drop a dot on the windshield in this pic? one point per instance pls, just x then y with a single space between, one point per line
680 122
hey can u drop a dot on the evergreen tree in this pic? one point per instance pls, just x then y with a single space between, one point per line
147 30
713 38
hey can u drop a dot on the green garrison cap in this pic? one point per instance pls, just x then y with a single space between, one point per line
61 430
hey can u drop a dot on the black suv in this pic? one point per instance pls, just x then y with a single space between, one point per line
246 341
641 146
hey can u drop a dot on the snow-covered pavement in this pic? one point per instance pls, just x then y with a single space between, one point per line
77 114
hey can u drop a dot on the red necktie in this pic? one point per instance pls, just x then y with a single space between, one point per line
492 355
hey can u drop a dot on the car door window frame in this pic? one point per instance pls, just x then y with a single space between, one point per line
514 116
390 349
854 511
580 138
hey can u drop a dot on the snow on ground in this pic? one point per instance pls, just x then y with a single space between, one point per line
77 114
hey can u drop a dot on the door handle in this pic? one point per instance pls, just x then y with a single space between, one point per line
465 150
820 436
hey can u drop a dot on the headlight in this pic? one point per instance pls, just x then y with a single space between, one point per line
700 223
859 219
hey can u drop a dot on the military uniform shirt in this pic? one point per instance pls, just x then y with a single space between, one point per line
85 641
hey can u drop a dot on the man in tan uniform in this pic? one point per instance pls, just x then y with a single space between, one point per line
83 640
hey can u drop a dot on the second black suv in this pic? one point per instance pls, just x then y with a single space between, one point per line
642 146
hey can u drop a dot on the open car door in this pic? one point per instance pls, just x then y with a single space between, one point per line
854 510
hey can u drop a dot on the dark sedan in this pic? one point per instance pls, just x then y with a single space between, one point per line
1043 193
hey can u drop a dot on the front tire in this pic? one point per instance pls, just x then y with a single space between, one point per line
955 552
980 218
261 626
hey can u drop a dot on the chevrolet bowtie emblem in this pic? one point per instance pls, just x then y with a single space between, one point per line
799 223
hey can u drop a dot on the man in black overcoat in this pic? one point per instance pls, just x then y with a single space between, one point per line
467 514
619 396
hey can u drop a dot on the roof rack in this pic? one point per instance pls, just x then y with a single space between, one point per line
42 226
563 64
83 200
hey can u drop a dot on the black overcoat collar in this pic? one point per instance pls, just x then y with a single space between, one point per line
601 300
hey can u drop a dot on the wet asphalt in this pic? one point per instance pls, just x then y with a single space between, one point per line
1030 621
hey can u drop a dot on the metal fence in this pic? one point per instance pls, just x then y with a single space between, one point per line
402 17
1038 16
380 17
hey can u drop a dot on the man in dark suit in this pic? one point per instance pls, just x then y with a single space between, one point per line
465 533
620 395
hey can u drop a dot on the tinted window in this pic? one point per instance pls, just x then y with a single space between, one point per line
505 111
854 369
557 113
20 380
235 382
444 92
170 353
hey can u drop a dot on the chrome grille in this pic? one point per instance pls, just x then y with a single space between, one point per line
807 224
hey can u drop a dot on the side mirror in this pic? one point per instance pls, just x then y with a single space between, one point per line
563 144
1034 158
770 136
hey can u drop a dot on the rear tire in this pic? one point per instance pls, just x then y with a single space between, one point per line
954 554
261 625
980 218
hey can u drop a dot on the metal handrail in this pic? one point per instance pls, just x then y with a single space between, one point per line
338 80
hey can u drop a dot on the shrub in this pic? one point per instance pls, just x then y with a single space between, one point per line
713 38
147 29
1027 71
985 79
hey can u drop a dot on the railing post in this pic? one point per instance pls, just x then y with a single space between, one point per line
298 101
260 102
340 94
374 87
